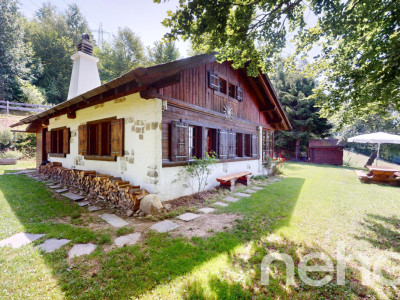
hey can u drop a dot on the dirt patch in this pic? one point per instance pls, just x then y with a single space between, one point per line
191 200
206 225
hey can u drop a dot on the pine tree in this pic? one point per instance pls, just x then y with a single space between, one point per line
293 90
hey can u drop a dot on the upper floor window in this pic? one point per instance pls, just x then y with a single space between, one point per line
223 86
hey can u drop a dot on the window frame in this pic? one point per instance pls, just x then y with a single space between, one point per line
56 142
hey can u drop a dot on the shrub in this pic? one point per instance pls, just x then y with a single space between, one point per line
274 165
24 143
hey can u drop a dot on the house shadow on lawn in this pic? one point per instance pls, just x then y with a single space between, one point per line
159 259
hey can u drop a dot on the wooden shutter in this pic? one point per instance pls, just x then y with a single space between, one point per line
239 94
117 137
231 144
66 140
240 144
48 141
179 141
213 80
222 143
83 139
254 145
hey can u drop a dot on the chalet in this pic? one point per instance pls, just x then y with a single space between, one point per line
146 124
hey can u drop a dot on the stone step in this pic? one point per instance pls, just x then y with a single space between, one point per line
220 204
52 245
206 210
130 239
164 226
81 249
188 216
231 199
114 220
20 239
73 197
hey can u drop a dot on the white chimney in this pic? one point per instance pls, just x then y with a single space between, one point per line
85 74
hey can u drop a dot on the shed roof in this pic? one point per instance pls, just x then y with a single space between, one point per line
325 143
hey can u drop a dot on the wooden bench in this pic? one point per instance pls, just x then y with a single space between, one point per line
361 175
228 181
397 174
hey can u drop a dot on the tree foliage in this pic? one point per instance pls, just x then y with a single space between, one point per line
294 91
360 44
125 53
163 52
15 54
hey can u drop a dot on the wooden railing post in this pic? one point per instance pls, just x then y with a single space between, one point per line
8 107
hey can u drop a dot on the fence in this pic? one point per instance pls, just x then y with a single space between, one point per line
8 105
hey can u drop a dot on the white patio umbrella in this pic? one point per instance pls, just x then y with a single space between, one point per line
376 138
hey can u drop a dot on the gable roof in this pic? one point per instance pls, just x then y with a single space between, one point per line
141 79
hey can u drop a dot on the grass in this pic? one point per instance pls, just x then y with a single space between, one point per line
311 209
357 160
21 164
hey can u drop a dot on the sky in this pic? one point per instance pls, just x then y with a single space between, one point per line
143 16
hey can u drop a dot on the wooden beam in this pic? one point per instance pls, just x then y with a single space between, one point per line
71 115
268 109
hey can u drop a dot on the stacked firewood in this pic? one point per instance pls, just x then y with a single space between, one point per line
96 186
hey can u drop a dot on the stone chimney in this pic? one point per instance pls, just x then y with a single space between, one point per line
85 75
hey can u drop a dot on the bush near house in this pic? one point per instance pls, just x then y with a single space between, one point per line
16 144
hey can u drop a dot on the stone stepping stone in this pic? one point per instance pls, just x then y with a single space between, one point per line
114 220
61 191
81 249
221 204
93 208
83 203
259 188
250 191
54 187
20 239
50 183
164 226
206 210
242 195
73 197
188 216
231 199
130 239
52 245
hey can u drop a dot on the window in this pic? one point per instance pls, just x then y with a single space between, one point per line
186 141
211 140
57 141
239 94
102 139
222 85
247 145
232 90
267 144
194 141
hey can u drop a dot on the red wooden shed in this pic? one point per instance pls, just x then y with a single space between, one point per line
328 151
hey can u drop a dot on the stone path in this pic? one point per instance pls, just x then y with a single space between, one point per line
206 210
242 195
61 191
81 249
188 216
257 188
130 239
93 208
250 191
220 204
114 220
164 226
20 239
231 199
83 203
54 187
73 197
52 245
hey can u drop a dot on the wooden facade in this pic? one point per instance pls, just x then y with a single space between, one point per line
328 151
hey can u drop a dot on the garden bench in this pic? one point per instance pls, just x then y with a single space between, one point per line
228 181
361 175
397 174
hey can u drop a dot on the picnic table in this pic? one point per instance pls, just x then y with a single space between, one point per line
381 175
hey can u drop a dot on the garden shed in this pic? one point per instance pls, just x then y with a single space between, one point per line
325 151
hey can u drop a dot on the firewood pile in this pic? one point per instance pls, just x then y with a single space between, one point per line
96 186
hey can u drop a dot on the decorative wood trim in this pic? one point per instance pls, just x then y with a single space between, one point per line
100 157
57 155
58 128
71 115
101 121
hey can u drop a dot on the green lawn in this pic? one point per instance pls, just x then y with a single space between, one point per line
311 209
21 164
357 160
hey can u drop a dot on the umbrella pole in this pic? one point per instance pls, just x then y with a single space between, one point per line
377 155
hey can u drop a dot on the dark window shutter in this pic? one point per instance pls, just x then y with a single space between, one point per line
66 140
254 145
271 144
223 144
48 141
240 144
117 137
231 144
83 139
179 141
213 80
239 94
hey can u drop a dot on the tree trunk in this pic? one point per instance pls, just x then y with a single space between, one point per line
297 149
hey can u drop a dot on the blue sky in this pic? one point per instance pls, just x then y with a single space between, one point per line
142 16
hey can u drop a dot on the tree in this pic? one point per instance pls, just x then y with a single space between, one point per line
294 91
163 53
125 53
15 55
360 44
54 37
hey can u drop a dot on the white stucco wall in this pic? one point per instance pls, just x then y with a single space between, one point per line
141 163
